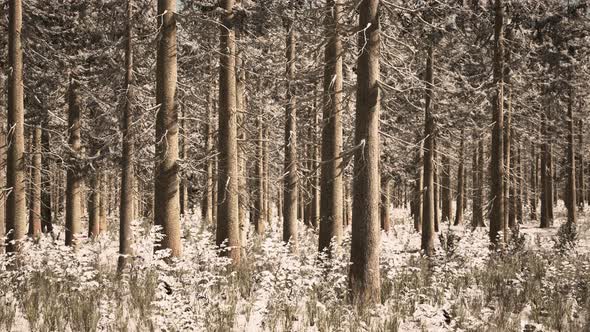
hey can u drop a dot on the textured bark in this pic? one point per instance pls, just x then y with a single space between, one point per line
103 202
94 208
581 186
244 197
497 167
428 201
386 204
479 214
126 211
184 202
46 185
365 282
571 164
166 184
74 178
417 196
2 185
534 177
210 150
259 217
228 218
332 163
290 185
16 208
507 166
315 164
474 183
546 176
436 186
35 196
519 185
446 191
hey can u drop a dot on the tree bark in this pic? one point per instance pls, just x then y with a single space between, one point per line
460 183
16 208
94 207
497 167
365 282
166 186
74 178
571 164
290 185
228 217
244 199
534 172
126 211
259 206
332 163
428 202
35 198
436 186
446 191
385 204
46 184
2 185
210 150
581 189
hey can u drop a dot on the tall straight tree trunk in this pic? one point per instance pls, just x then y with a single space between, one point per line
166 184
35 198
385 204
571 163
74 178
460 183
244 199
267 174
316 186
534 172
497 167
436 187
417 199
210 150
16 208
478 212
428 204
332 167
507 163
259 211
228 215
183 155
46 197
94 207
103 202
126 211
365 282
2 185
519 185
546 177
474 183
581 189
290 185
446 191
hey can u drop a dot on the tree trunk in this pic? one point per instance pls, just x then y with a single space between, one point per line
316 186
16 208
259 206
365 282
332 167
446 191
244 199
2 185
417 199
581 189
497 167
94 208
35 197
507 164
460 183
571 164
534 172
385 204
474 183
519 185
126 211
428 202
290 186
74 180
183 156
46 181
228 214
479 196
436 187
103 202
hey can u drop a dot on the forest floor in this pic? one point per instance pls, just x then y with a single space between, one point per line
538 283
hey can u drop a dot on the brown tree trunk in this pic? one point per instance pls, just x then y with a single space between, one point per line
259 206
290 186
46 181
365 282
497 165
35 197
316 190
2 186
436 186
546 177
417 199
447 196
571 163
103 202
460 183
507 163
332 168
94 208
534 177
209 148
428 201
166 191
244 199
126 211
74 179
479 196
228 217
581 188
183 155
385 204
16 208
474 183
519 185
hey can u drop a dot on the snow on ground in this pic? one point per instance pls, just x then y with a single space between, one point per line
463 288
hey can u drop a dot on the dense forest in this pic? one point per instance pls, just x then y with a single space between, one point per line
294 165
